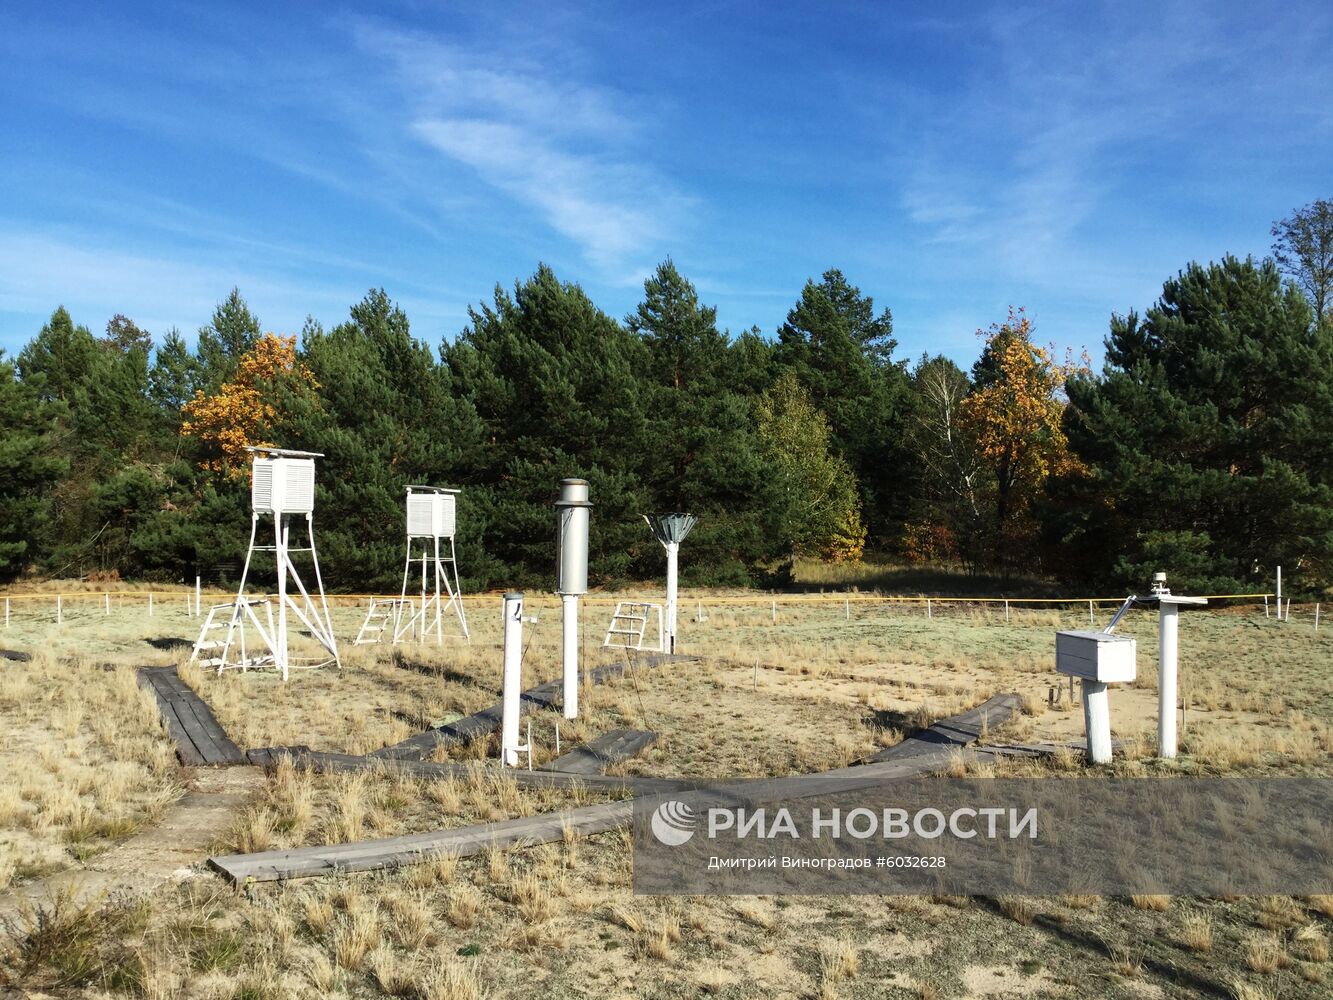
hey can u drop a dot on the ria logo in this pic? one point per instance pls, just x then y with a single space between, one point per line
673 822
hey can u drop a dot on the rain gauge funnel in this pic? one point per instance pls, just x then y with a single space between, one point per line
573 511
670 530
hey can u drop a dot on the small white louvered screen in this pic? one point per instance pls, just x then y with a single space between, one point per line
420 515
298 476
283 486
261 485
444 515
430 515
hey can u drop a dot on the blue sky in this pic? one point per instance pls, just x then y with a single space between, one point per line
951 159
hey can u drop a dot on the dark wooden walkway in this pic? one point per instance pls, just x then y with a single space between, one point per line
956 731
395 852
483 723
16 655
200 739
922 755
607 750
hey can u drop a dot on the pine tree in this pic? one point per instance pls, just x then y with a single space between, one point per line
28 470
1207 434
384 418
555 383
842 352
703 456
233 331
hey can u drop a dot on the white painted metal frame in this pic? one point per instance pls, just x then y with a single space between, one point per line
629 625
413 621
239 651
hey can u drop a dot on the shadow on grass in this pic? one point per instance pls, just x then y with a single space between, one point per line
169 643
1196 984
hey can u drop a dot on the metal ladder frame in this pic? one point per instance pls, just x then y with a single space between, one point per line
637 633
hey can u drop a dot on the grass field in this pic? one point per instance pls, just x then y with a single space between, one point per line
817 685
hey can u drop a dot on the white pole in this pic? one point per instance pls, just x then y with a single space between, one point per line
1006 610
570 627
1091 619
1316 617
150 604
513 678
929 612
1266 606
106 604
198 607
1097 721
280 652
1168 622
673 559
60 609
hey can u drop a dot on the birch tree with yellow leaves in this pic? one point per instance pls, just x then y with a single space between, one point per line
1012 416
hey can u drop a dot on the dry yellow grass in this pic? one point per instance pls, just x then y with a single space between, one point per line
827 691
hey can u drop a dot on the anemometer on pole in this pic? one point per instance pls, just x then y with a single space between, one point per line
282 486
431 521
1101 658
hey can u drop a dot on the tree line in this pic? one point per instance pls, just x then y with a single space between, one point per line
1201 447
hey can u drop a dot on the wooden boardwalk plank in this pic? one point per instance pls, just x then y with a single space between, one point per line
394 852
956 731
185 748
199 737
605 751
474 727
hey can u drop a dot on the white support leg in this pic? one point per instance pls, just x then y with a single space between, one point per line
1168 621
513 678
1097 722
570 634
280 646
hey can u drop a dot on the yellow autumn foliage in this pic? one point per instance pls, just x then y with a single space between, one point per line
243 409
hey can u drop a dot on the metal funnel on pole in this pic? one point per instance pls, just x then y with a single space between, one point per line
670 530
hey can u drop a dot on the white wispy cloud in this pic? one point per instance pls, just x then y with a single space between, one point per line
565 149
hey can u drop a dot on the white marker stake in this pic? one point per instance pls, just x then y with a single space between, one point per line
150 604
60 610
1006 610
106 601
513 680
1168 644
198 608
1316 617
1266 606
1091 619
929 612
847 609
